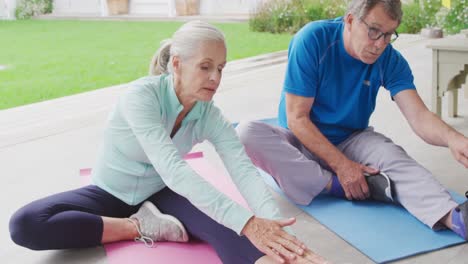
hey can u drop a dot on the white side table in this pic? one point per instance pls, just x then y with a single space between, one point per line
449 71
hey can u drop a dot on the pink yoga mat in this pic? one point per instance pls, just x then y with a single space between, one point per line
163 252
167 252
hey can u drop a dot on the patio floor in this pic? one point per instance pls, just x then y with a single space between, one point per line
43 146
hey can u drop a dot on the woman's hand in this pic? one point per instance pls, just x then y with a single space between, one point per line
269 237
309 257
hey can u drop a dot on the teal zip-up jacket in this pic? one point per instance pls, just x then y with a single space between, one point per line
138 158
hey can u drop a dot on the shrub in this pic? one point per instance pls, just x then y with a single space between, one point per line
28 8
278 16
428 12
457 17
420 14
314 11
290 15
413 18
334 8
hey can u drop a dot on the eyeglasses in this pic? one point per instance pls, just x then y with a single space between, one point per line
375 33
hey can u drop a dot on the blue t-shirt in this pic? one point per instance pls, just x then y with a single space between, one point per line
344 88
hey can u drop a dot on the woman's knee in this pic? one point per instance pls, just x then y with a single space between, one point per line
25 227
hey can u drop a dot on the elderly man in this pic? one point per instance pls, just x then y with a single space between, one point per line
335 69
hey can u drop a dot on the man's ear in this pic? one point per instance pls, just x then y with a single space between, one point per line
348 19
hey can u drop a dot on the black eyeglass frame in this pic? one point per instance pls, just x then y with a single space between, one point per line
378 34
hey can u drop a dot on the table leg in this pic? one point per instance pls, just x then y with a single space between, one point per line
436 100
436 105
452 102
466 89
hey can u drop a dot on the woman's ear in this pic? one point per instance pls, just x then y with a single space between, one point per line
176 64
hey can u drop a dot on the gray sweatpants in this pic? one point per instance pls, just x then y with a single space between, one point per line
302 175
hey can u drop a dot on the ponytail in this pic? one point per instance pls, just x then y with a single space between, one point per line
159 62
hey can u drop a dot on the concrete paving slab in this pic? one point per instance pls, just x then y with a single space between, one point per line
325 243
76 256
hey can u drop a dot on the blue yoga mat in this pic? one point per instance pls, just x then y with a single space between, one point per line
271 121
383 232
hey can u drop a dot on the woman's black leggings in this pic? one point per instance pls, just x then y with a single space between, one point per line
72 219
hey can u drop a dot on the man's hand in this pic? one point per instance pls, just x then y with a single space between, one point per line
269 237
351 176
458 145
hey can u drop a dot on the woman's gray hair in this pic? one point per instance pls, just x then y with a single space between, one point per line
184 43
360 8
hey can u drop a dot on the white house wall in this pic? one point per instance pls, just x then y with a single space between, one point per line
77 7
150 7
7 9
228 7
2 9
161 8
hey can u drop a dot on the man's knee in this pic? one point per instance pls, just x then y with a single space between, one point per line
249 130
383 147
390 151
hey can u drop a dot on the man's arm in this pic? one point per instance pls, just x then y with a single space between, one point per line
350 173
430 127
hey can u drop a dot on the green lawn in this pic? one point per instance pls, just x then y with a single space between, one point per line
50 59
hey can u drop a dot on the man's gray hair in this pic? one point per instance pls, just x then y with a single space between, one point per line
360 8
184 43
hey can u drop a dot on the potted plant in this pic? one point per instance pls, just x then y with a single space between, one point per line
187 7
432 14
117 7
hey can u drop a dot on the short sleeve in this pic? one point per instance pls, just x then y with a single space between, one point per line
303 60
397 73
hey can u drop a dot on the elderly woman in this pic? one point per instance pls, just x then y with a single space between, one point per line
140 169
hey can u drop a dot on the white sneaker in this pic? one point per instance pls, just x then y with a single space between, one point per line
156 226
